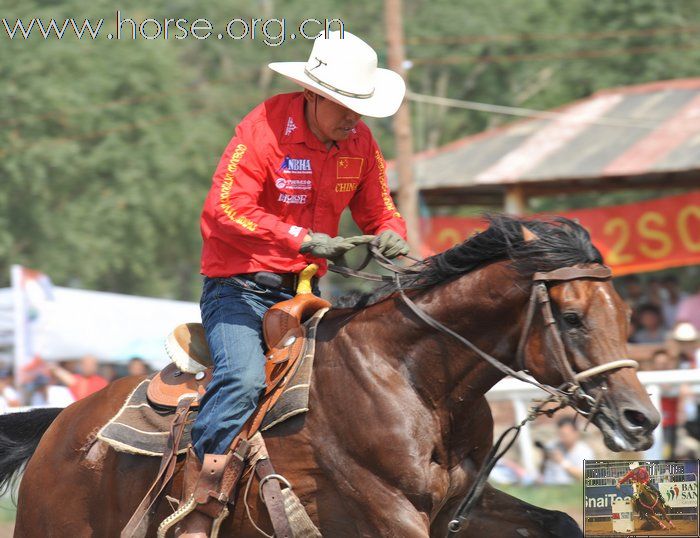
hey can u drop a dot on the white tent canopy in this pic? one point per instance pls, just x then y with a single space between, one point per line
111 326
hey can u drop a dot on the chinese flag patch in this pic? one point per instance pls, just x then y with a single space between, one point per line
349 167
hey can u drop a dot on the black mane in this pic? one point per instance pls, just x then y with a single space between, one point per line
560 243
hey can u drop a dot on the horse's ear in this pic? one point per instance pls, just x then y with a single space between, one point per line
528 235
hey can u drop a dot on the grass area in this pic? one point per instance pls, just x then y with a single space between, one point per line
567 499
552 497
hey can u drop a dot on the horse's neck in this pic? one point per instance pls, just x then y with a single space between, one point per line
485 307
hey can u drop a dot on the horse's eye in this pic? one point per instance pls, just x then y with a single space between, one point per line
572 319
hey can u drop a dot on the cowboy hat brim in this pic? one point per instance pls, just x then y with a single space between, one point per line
389 90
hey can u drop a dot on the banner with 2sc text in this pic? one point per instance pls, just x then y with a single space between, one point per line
633 238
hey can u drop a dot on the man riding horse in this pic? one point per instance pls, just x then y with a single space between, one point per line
646 496
397 439
294 164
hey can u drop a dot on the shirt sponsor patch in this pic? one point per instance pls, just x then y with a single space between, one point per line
292 198
349 167
295 166
293 184
290 126
295 230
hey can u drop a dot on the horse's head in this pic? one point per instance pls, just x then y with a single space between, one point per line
578 335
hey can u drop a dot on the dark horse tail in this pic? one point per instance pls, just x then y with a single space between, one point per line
20 434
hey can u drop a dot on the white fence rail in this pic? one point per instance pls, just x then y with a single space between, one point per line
520 394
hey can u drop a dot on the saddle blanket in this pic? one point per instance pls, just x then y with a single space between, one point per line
141 428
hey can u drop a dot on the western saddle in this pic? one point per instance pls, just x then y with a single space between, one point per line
182 383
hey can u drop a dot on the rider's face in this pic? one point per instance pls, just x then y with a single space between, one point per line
329 120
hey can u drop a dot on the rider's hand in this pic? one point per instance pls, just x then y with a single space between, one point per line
391 244
617 485
322 245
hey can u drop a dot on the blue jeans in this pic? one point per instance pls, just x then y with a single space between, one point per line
232 313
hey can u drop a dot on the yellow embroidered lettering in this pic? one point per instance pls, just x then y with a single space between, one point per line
386 196
227 185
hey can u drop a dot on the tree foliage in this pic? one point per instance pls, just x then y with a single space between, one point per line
107 147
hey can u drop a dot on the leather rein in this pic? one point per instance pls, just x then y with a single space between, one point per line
570 393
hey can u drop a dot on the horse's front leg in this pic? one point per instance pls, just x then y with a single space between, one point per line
386 517
500 514
665 514
658 521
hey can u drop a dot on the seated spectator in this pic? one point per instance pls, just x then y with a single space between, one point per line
563 458
86 382
633 292
108 371
687 340
662 360
508 471
9 397
689 310
137 366
650 325
655 292
41 393
671 298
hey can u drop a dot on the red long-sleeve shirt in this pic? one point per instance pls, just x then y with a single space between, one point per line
276 182
640 474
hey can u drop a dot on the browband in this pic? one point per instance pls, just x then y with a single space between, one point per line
601 272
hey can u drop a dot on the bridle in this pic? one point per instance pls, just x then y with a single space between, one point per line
570 393
540 296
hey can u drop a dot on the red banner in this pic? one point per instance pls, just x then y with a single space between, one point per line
633 238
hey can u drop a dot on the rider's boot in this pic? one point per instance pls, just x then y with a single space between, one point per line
198 515
206 491
195 524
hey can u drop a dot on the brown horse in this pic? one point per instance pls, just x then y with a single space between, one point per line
398 425
648 501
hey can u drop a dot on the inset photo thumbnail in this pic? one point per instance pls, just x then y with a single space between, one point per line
639 498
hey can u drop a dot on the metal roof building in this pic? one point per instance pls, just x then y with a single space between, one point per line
645 136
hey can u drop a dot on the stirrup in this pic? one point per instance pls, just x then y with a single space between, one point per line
187 505
185 510
217 477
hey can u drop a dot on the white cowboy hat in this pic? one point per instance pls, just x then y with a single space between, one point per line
344 69
634 465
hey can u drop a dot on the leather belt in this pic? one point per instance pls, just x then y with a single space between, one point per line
286 281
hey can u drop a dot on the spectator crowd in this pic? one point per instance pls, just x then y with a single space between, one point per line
44 383
665 335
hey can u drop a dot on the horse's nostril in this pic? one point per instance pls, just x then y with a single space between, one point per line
636 418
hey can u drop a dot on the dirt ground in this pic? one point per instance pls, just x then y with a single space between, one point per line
684 527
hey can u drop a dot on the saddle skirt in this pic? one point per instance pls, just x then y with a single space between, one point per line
142 425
